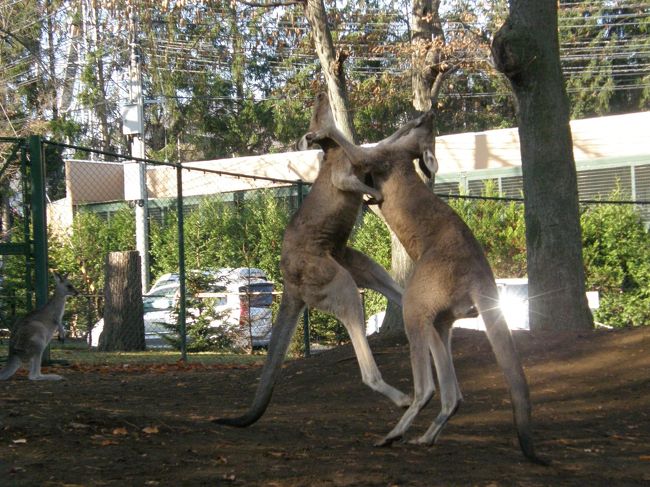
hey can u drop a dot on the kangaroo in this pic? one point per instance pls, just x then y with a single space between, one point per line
451 278
321 271
33 333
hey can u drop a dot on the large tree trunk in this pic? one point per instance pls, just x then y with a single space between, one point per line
526 50
123 311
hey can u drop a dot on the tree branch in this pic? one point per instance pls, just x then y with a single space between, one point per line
269 4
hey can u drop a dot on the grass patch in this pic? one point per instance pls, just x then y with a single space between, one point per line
77 352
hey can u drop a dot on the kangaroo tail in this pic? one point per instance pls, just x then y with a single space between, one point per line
13 364
285 325
504 349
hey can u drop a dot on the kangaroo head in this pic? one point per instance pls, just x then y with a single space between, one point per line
321 117
427 142
63 285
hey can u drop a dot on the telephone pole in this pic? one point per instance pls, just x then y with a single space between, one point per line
137 150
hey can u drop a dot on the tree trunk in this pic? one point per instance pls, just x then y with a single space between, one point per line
123 311
71 64
332 66
526 50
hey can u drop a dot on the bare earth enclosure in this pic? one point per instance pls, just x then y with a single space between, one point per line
151 425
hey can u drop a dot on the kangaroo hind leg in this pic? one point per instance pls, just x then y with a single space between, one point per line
341 298
35 370
419 331
450 396
369 274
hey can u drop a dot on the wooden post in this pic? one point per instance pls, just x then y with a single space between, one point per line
123 311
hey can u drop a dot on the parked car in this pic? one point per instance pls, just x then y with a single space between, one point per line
238 297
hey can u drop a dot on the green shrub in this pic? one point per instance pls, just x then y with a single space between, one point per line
616 252
373 239
499 227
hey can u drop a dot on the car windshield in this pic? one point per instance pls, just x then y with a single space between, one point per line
164 291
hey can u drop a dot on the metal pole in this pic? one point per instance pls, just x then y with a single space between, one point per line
305 313
39 218
181 263
39 225
138 151
27 251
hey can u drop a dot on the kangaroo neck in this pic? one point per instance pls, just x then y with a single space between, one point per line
405 195
56 306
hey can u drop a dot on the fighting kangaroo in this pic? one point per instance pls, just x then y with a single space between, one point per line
320 271
33 333
451 279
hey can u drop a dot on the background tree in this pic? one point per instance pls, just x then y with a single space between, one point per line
526 50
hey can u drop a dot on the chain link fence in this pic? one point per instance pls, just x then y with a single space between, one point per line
228 228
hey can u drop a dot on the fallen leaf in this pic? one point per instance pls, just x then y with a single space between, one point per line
150 430
645 458
79 426
20 441
120 431
109 442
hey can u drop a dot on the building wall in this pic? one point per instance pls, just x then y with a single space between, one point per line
593 138
616 136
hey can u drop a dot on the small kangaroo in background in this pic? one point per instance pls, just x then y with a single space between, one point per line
33 333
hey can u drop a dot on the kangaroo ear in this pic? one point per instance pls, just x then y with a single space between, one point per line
429 161
302 144
57 276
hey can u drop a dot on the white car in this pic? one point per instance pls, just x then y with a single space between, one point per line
239 297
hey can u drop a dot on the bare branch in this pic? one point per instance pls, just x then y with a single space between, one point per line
286 3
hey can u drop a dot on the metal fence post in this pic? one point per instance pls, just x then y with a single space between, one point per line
39 224
181 262
39 218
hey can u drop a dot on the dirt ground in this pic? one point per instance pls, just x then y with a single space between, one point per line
151 426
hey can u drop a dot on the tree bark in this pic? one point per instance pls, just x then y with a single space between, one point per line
332 66
526 50
123 310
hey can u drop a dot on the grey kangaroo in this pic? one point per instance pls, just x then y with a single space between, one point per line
451 279
33 333
321 271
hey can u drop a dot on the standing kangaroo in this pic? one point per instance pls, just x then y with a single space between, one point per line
321 271
451 279
33 333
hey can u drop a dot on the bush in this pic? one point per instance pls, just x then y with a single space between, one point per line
499 227
373 239
616 252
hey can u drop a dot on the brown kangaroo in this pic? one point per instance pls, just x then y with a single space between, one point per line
451 279
321 271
